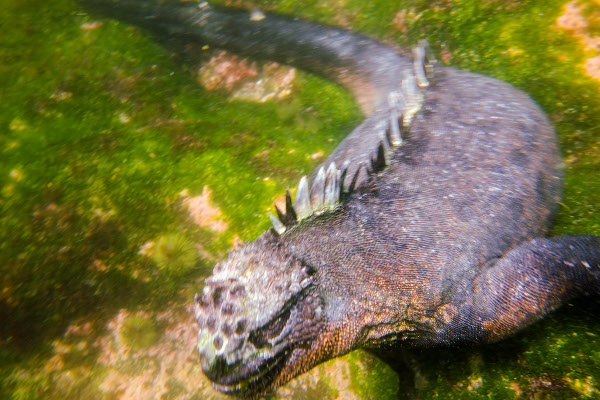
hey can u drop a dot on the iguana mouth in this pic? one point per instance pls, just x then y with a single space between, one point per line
246 376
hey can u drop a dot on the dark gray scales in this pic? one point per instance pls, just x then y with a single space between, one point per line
425 226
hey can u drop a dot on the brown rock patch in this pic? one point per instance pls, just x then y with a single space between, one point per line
577 21
202 212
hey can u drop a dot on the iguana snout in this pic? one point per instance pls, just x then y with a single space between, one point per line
257 307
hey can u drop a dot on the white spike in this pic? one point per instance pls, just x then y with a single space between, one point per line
409 86
396 104
345 165
413 97
257 15
360 176
302 204
331 187
428 60
317 191
419 65
347 177
277 224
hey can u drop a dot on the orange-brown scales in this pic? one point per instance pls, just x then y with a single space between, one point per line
424 227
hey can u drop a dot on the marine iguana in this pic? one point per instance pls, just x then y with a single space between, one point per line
424 227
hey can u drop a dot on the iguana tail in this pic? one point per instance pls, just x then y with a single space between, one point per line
368 69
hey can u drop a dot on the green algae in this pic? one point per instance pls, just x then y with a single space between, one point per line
175 253
101 130
138 332
322 390
372 378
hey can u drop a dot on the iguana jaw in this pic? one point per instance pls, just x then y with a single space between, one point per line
246 377
265 371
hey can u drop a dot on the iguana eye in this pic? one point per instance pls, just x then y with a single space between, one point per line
262 336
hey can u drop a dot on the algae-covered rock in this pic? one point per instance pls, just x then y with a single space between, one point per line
138 332
359 375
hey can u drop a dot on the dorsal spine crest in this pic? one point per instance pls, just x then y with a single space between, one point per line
328 187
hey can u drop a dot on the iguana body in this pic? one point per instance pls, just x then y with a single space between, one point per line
423 227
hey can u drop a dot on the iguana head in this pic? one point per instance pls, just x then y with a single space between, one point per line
261 319
263 316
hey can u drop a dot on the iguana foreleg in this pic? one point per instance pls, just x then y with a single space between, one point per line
525 284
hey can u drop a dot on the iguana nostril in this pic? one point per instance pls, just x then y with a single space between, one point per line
218 342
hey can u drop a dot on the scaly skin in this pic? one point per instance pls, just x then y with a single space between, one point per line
426 230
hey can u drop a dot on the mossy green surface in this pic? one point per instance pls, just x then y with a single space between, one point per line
138 332
100 130
372 378
174 253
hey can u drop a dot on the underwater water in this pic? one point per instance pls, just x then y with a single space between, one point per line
128 169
